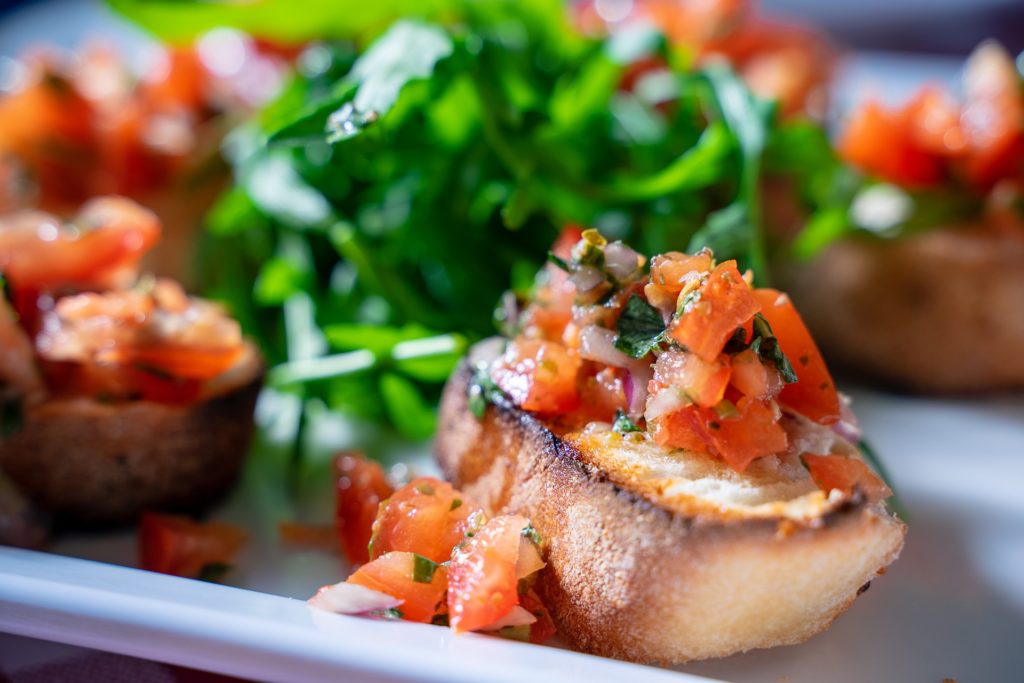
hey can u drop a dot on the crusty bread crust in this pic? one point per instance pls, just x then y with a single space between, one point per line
93 463
933 312
640 576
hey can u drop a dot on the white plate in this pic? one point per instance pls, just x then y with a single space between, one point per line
951 607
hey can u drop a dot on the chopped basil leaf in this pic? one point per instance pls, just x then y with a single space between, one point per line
389 613
640 328
532 534
456 504
737 342
623 424
439 620
523 586
767 347
558 261
426 489
482 390
423 569
726 409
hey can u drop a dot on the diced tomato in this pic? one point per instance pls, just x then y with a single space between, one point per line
722 304
482 579
934 123
754 433
845 474
186 362
118 382
302 534
602 394
673 270
703 383
539 376
395 574
753 378
544 628
993 115
38 254
881 143
171 544
180 84
814 395
426 516
751 432
359 490
567 239
683 429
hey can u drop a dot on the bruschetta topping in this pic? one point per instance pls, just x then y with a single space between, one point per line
437 558
99 331
689 354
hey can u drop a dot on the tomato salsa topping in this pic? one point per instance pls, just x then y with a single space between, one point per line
686 351
435 557
83 323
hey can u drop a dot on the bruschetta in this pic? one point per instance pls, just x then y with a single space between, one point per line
677 440
926 296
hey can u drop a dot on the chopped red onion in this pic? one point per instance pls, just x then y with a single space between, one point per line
351 598
587 278
640 375
598 344
620 261
664 402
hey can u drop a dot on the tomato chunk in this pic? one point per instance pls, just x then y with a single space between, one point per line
37 253
419 582
426 516
814 395
482 579
723 303
754 433
703 382
539 376
177 545
845 474
544 628
359 490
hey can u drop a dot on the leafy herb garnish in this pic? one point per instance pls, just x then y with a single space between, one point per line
640 328
766 345
482 390
423 569
622 423
531 533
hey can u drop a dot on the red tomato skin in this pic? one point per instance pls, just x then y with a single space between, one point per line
360 487
482 581
754 434
845 474
544 628
422 517
814 395
882 144
392 573
539 376
725 303
177 545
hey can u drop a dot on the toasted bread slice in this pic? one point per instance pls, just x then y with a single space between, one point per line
933 312
96 463
657 555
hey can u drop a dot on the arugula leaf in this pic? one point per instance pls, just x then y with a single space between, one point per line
622 423
640 328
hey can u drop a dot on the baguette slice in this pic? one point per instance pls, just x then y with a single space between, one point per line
662 556
933 312
94 463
